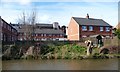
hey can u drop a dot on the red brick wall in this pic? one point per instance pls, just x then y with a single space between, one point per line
73 30
8 32
96 30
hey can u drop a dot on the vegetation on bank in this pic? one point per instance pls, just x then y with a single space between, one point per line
117 32
68 51
54 50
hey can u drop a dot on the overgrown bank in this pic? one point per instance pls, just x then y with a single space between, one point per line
52 50
68 51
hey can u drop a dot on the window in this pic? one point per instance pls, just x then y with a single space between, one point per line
58 35
101 28
50 35
25 34
7 26
12 38
84 28
41 34
84 36
90 28
4 25
36 34
44 34
12 30
21 34
107 29
1 23
53 34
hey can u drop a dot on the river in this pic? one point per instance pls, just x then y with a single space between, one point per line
87 64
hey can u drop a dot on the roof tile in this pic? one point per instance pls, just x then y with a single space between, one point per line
91 21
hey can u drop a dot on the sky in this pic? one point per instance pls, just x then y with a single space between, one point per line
61 11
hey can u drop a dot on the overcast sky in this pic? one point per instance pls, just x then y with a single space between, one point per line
49 11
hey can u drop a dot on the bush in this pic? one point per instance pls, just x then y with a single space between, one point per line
117 32
100 56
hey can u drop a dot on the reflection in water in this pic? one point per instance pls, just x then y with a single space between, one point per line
90 64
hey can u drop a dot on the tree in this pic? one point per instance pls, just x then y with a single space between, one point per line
27 22
117 32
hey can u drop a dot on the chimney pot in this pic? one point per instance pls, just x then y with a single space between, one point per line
87 16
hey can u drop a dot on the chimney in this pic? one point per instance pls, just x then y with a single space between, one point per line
55 25
87 16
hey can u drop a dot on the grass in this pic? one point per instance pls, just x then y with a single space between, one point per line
68 51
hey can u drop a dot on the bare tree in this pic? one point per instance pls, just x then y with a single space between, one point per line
28 22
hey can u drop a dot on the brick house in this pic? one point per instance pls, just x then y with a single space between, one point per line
79 28
118 26
7 32
41 31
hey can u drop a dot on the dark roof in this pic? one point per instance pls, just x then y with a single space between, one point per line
49 31
44 25
37 24
7 23
90 21
40 25
15 24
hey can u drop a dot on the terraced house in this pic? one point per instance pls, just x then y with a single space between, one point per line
7 32
79 28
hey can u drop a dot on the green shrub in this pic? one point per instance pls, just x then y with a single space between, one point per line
117 32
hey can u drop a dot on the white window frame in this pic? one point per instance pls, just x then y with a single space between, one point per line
36 34
84 28
84 36
101 29
90 28
41 34
107 29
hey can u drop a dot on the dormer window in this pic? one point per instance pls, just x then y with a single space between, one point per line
84 28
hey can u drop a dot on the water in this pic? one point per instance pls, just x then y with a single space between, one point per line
89 64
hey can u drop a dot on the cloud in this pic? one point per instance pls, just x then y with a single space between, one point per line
10 16
24 2
95 10
44 18
62 11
